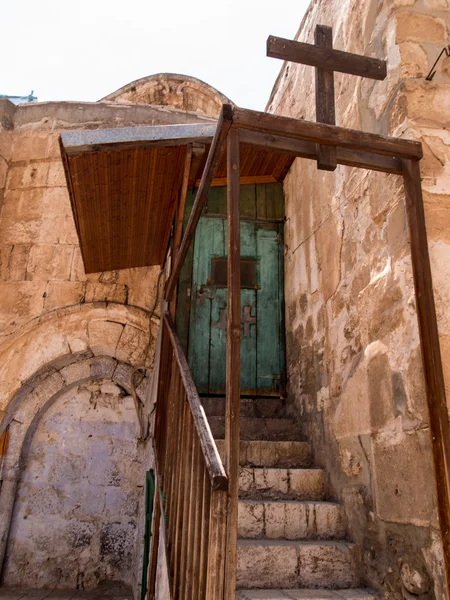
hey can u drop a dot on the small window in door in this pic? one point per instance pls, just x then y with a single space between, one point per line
219 275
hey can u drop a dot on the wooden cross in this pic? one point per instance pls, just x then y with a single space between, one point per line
326 60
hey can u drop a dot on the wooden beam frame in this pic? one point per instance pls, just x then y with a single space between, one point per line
356 149
215 152
327 135
302 149
431 354
327 58
325 106
233 359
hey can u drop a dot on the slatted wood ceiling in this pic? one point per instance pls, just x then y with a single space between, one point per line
124 203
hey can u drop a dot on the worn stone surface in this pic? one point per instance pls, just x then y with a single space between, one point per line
277 564
74 521
353 351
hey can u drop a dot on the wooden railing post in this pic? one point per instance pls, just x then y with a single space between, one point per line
233 376
431 354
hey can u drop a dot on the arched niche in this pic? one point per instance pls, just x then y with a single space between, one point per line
73 475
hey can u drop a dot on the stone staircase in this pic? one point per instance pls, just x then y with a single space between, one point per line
292 535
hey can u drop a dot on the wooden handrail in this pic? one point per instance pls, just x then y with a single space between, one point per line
215 152
191 480
216 471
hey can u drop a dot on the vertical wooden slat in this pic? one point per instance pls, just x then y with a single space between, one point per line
174 457
216 547
175 559
204 533
431 355
233 378
325 108
190 543
179 218
177 460
187 463
197 521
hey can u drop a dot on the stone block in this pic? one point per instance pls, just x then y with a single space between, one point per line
437 215
28 175
266 564
299 484
381 393
21 300
141 284
404 487
50 262
413 26
77 272
325 564
63 293
251 519
283 564
414 60
102 367
56 176
290 520
105 292
32 143
104 337
397 231
308 484
133 345
76 371
13 262
260 453
426 104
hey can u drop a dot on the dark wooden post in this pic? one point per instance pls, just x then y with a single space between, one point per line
233 379
431 354
325 107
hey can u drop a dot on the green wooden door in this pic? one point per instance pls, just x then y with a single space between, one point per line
262 333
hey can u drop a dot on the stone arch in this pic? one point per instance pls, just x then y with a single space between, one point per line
31 403
127 333
181 92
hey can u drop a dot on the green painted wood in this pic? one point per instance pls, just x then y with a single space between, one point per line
248 201
202 315
270 201
269 299
248 305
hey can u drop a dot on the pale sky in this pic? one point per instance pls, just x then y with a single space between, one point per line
87 49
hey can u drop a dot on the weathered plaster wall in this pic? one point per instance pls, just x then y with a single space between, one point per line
74 521
354 363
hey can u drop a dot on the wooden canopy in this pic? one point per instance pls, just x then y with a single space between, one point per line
125 185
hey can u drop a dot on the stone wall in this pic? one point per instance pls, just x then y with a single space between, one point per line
66 338
354 364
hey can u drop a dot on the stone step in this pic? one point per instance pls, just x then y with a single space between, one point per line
268 408
297 564
353 594
283 484
291 520
265 453
253 428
